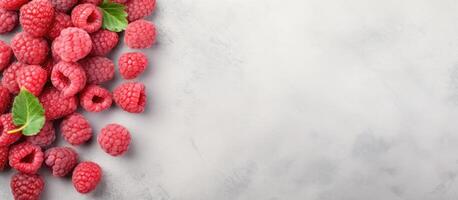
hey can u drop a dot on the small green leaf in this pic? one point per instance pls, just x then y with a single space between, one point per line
114 16
28 114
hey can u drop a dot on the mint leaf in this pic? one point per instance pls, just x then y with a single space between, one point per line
114 16
28 114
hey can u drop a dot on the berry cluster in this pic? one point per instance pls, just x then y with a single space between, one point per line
61 58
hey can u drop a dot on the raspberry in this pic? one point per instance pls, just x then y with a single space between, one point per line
131 97
62 160
87 17
28 49
98 69
61 22
68 77
76 129
12 4
5 99
63 5
56 105
26 157
103 42
95 98
9 20
7 139
36 17
33 78
95 2
114 139
132 65
9 77
45 137
3 157
86 177
138 9
27 186
73 44
140 34
5 55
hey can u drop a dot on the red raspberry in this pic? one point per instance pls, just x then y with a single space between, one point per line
3 157
27 186
114 139
56 105
36 17
12 4
87 17
61 22
86 177
62 160
98 69
45 137
26 157
138 9
95 2
131 65
9 77
72 45
9 20
5 55
6 138
131 97
103 41
69 78
5 99
95 98
140 34
28 49
63 5
33 78
76 129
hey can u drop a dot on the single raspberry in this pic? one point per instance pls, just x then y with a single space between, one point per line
72 45
26 157
28 49
33 78
5 55
56 105
103 41
95 98
131 97
87 17
131 65
9 77
36 17
61 22
114 139
27 186
5 99
12 4
63 5
95 2
45 137
62 160
6 138
76 129
140 34
98 69
4 157
9 20
68 77
86 177
138 9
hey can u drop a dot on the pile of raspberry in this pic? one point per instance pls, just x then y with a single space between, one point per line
61 57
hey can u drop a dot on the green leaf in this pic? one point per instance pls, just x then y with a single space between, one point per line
114 16
28 114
